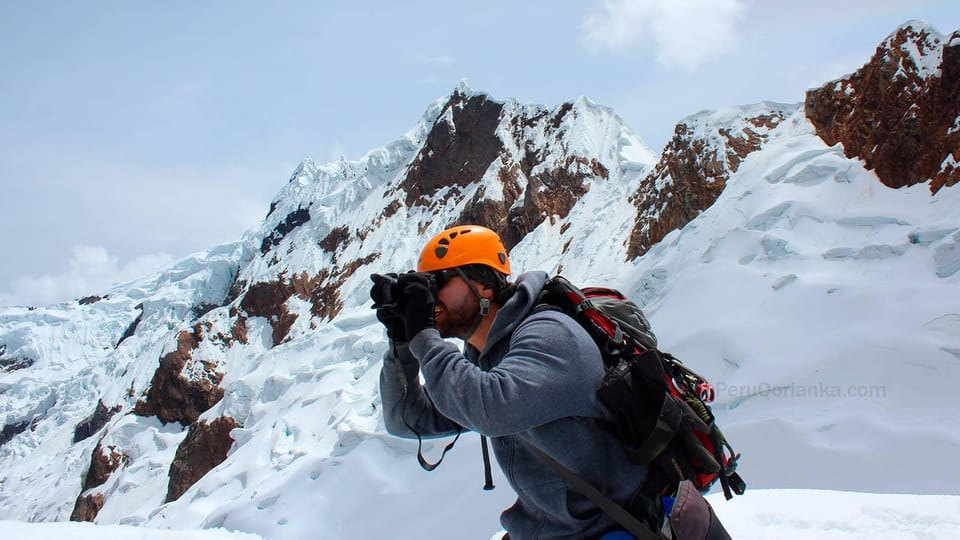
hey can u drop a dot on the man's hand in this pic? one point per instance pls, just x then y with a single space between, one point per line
384 293
392 320
419 290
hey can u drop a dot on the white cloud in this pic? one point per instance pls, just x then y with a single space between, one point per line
126 208
685 33
90 270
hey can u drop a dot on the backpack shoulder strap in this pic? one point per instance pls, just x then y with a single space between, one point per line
618 513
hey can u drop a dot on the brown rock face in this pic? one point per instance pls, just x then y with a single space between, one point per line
456 153
205 447
689 177
93 423
545 191
552 192
900 119
87 507
9 431
290 222
103 463
463 145
269 299
174 398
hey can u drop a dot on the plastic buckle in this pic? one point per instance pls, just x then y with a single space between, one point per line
706 393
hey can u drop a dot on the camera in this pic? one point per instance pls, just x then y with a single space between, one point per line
386 291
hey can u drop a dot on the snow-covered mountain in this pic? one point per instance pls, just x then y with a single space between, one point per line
797 268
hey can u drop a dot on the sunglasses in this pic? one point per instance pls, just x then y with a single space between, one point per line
443 277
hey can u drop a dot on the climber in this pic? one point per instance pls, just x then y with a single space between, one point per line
526 380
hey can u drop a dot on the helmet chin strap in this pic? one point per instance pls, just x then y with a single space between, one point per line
484 305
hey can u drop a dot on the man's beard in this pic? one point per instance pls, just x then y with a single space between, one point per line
456 320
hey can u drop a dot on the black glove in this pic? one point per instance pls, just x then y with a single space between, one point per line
392 320
385 294
419 290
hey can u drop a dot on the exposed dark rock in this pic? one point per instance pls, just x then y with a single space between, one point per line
93 423
268 299
456 153
203 308
10 431
87 507
325 298
238 331
691 174
545 192
15 363
292 221
103 463
236 289
900 121
390 210
132 329
87 300
463 144
551 193
335 240
173 398
557 118
205 447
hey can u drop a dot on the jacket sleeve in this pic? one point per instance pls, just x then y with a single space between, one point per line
406 404
550 370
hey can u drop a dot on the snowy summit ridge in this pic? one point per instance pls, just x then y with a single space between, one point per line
776 248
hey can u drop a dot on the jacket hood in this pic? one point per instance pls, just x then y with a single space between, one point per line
528 287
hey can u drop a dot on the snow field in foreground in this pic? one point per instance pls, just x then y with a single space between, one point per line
759 514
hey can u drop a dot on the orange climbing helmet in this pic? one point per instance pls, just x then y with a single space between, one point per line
463 245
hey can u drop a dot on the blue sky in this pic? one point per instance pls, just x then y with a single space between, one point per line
133 133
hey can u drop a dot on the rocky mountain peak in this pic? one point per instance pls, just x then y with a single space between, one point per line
694 167
900 112
510 166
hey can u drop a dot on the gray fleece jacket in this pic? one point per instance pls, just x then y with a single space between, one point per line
534 383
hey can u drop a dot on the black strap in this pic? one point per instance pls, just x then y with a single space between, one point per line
663 433
626 520
484 305
487 472
427 466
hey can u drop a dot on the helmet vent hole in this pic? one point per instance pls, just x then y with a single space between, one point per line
503 257
441 252
444 241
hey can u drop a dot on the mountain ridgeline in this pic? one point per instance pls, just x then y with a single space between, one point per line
141 391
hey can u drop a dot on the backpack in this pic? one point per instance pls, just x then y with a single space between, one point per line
659 407
659 411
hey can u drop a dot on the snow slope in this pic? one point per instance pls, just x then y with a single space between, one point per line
826 307
760 514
